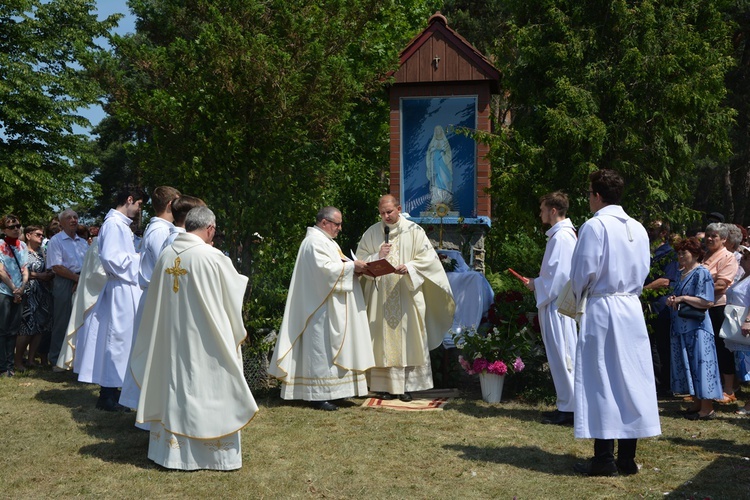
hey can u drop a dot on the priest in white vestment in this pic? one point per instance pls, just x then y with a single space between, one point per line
410 310
187 357
103 349
324 348
559 333
614 379
154 236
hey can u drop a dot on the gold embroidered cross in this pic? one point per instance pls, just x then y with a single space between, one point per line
176 271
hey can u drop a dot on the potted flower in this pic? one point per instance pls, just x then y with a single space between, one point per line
497 347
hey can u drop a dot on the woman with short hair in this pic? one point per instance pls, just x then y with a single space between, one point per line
722 265
694 367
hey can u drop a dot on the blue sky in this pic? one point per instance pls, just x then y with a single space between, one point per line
126 25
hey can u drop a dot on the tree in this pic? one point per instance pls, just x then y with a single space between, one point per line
634 86
42 87
245 103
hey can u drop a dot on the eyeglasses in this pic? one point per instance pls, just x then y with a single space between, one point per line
15 226
41 235
337 224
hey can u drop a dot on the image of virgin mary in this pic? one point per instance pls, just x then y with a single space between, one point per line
440 168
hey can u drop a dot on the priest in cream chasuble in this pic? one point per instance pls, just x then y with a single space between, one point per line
409 311
187 356
324 347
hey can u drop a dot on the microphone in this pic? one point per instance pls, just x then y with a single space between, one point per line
386 230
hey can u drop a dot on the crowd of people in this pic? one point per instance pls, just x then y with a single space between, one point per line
157 321
623 309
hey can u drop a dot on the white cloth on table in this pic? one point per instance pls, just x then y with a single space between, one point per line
473 296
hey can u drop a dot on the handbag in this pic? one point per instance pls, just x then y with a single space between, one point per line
687 311
731 328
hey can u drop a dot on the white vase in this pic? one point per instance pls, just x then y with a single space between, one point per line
492 387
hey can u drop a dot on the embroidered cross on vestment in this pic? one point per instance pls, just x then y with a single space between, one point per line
176 271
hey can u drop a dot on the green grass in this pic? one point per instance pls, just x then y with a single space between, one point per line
55 444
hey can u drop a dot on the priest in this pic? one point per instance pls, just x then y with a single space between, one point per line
187 357
410 310
324 347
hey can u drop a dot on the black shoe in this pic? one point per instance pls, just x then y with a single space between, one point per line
549 414
698 416
108 404
562 418
627 467
386 396
405 397
591 468
324 405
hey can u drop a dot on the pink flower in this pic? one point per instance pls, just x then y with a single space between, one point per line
465 365
518 365
498 368
479 365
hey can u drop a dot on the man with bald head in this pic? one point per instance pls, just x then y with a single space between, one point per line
65 252
323 349
410 310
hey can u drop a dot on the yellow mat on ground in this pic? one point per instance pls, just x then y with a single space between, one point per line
433 399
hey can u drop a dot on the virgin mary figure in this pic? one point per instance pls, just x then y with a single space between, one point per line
440 168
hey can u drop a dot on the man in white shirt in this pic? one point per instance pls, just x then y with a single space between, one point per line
65 253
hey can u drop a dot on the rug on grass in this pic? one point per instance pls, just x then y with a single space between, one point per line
433 399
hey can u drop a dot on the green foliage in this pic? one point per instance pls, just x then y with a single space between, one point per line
634 86
267 110
42 45
521 250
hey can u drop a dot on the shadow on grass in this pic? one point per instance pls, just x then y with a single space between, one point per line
531 458
119 440
728 475
477 408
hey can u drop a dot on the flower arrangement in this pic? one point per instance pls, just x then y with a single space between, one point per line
449 265
499 344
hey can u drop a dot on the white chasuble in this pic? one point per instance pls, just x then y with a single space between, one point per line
102 351
408 314
559 332
187 359
324 346
615 392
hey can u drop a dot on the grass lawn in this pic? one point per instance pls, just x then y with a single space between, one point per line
55 444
